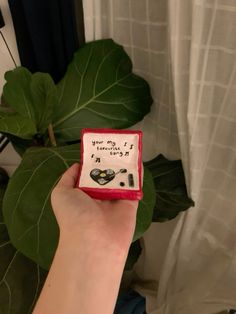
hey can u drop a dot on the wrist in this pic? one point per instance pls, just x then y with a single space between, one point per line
82 243
84 268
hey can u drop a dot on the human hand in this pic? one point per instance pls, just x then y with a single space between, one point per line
94 240
107 223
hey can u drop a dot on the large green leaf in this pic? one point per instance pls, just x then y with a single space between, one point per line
26 207
146 205
16 91
32 96
27 210
16 125
20 279
171 192
99 90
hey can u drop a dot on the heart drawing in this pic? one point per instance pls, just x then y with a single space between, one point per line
102 177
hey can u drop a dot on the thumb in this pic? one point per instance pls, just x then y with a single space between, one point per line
69 178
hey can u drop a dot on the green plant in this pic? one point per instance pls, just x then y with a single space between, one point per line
43 121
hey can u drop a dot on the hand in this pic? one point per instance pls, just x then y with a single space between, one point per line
94 240
107 223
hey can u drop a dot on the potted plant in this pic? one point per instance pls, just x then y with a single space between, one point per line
43 121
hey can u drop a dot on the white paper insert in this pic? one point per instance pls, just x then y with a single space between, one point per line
110 161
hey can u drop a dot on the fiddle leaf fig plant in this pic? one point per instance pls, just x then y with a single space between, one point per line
43 121
98 90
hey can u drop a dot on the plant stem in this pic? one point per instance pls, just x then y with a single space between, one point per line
51 135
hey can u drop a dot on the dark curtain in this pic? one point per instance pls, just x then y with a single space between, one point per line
48 32
79 16
130 302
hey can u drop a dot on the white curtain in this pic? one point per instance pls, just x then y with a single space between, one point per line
186 49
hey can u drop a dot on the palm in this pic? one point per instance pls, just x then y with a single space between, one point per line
110 221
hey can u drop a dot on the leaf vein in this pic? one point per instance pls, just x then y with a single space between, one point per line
8 267
69 115
5 243
106 116
25 186
82 79
10 296
99 68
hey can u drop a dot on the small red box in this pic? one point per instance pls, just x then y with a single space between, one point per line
111 164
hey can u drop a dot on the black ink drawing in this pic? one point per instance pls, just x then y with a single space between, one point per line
103 177
131 180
